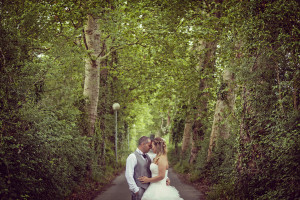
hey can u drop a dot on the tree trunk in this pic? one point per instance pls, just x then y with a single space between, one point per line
224 108
92 71
245 139
186 141
206 67
162 128
197 136
168 119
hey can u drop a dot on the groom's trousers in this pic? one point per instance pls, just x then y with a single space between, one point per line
139 195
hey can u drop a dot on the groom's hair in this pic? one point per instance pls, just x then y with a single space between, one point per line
143 139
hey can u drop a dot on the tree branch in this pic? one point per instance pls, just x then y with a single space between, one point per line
85 44
84 40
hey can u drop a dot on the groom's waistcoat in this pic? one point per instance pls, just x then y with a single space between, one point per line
142 169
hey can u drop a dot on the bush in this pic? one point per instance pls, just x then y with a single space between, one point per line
223 190
45 161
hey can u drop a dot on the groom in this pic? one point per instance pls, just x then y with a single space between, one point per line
137 165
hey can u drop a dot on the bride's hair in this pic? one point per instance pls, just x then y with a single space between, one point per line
161 148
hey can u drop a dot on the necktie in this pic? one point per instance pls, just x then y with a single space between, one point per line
144 155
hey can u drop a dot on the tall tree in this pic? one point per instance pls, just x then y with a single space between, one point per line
187 133
224 109
92 39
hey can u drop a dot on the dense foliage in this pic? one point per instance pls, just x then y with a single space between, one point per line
165 62
259 160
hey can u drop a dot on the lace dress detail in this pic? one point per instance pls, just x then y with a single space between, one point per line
159 190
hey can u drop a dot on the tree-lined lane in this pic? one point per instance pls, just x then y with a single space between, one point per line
119 189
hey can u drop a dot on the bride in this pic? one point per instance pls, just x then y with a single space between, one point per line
158 190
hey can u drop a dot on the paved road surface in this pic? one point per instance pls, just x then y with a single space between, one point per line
119 189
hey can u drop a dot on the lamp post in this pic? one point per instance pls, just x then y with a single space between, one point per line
116 107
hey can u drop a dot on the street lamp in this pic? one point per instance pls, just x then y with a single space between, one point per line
116 107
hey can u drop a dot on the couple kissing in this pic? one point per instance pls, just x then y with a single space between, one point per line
146 176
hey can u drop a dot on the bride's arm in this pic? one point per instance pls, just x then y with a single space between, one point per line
162 166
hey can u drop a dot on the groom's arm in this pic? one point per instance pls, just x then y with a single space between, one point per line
131 162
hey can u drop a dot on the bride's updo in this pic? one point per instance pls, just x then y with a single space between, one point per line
161 148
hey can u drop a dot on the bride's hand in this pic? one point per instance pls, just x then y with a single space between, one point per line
144 179
168 181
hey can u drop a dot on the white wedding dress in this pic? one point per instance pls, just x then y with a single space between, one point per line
159 190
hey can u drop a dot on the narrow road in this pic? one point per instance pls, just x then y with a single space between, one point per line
119 189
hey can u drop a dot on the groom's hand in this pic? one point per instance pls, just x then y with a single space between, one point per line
168 181
144 179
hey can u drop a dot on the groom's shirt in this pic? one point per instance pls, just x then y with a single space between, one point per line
131 162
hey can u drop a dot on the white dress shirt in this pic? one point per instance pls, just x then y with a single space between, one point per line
131 162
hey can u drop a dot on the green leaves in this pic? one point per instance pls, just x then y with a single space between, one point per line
169 59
